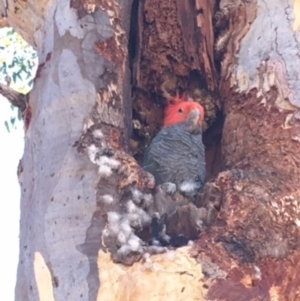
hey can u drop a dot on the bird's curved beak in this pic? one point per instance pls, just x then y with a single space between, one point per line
194 120
194 116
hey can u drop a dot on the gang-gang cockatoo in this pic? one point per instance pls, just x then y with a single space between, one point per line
176 155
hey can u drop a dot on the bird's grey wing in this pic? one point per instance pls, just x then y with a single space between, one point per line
191 149
198 147
158 156
175 155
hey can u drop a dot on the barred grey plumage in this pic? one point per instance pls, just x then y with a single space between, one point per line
177 155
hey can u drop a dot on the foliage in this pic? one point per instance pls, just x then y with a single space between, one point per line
18 64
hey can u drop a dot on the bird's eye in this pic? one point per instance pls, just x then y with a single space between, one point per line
180 110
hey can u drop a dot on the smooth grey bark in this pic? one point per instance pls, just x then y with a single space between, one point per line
58 196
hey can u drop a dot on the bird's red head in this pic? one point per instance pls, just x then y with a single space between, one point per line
178 110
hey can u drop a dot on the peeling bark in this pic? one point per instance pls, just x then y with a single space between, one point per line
256 230
248 211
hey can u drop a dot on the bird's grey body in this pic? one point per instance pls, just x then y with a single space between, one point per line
177 155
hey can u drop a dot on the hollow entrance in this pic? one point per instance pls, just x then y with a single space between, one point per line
167 55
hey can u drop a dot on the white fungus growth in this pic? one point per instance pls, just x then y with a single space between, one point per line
188 186
134 245
107 198
113 217
137 216
145 217
113 222
134 220
122 239
190 243
114 229
148 199
124 250
105 232
131 207
104 160
125 227
164 235
121 226
156 249
134 242
125 232
169 187
155 242
105 171
106 164
98 134
137 195
92 151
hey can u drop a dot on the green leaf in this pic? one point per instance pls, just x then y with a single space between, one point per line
18 75
30 83
18 62
14 76
11 32
12 120
19 114
3 69
7 126
12 64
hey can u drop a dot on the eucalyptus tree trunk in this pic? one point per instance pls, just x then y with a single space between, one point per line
99 61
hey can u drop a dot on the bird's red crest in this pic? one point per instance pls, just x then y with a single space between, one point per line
178 110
